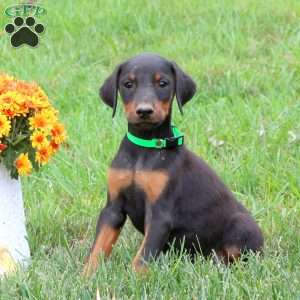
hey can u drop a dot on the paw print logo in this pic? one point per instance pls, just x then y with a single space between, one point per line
24 33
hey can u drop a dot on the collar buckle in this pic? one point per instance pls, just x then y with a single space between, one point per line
172 142
160 143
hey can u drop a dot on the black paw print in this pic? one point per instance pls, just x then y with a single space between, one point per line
24 33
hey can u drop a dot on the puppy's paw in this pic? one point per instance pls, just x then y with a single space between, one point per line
90 267
139 266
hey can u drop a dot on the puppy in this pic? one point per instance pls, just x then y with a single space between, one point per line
170 195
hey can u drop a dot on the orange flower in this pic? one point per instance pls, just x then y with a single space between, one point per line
24 106
4 126
54 146
58 133
26 88
5 82
43 155
38 122
38 139
9 103
23 164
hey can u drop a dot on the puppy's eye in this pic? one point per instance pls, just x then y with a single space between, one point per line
163 83
128 84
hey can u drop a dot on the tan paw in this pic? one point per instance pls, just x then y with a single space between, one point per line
90 267
139 267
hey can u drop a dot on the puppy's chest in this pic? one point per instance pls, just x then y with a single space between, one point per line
136 182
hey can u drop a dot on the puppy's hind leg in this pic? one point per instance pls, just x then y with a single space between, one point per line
241 235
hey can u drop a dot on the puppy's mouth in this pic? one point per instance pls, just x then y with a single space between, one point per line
145 124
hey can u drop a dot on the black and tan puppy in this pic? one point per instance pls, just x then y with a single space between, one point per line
170 195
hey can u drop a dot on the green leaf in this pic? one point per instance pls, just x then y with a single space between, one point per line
31 156
9 161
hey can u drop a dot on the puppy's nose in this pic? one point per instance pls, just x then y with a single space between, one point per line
144 111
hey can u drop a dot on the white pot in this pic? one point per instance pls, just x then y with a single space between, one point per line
14 248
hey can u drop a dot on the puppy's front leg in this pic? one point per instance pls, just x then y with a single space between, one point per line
109 225
157 231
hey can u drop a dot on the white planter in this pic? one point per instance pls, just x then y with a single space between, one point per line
14 246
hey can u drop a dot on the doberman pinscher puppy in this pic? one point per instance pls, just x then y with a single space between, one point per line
171 196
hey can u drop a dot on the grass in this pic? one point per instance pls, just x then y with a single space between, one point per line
245 57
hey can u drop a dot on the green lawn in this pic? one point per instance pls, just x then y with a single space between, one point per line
245 58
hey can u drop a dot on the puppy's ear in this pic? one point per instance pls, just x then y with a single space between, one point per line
109 89
185 87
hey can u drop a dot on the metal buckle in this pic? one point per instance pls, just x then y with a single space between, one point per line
172 142
160 143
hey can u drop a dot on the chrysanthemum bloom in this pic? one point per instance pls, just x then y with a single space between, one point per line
23 164
4 126
9 103
54 146
5 82
50 114
38 139
43 155
39 121
58 133
27 121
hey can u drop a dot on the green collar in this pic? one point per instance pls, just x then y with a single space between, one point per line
176 140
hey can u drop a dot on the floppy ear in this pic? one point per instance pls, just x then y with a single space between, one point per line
185 87
109 90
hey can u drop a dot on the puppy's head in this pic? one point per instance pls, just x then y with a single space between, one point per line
147 84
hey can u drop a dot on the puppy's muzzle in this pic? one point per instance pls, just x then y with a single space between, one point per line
144 111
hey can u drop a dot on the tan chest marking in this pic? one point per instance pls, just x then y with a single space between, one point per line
151 182
118 179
